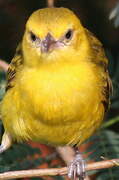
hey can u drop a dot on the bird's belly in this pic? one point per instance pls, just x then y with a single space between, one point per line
57 109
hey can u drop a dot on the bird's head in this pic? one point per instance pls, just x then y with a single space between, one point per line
51 34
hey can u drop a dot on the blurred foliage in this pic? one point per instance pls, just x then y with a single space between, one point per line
95 16
16 158
104 145
115 15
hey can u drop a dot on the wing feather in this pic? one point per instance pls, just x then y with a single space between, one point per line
13 67
101 61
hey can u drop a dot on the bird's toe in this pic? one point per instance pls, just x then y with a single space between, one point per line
76 168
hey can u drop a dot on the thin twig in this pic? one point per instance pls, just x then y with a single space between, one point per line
56 171
3 65
50 3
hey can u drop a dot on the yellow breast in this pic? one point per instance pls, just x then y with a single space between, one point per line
64 102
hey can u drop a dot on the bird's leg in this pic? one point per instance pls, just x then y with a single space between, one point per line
6 142
76 168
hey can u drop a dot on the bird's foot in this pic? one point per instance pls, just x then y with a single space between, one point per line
76 168
6 142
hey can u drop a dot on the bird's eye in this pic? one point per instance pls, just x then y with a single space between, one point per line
33 37
69 34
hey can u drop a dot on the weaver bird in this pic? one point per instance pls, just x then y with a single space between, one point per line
58 84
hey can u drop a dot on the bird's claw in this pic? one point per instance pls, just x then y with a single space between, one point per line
76 168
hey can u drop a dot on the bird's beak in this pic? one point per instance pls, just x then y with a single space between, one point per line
48 43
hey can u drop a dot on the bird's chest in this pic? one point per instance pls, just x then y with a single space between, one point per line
56 95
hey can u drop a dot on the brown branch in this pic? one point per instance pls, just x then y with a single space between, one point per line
50 3
56 171
3 65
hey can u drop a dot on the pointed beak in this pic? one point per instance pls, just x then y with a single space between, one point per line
47 43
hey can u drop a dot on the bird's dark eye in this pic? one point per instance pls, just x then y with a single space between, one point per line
69 34
33 37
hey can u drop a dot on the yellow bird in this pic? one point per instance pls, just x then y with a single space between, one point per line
58 84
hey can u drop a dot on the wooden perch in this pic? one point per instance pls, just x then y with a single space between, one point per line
3 65
50 3
56 171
